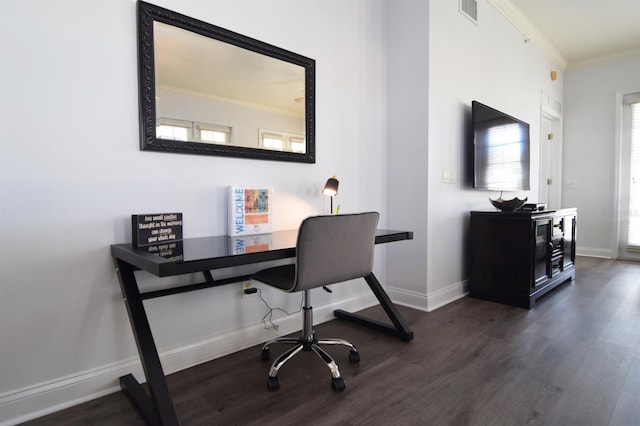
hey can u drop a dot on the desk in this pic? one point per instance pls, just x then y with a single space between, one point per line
202 255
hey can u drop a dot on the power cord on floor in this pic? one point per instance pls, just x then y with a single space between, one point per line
269 315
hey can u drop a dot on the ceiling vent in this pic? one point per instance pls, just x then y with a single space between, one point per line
469 8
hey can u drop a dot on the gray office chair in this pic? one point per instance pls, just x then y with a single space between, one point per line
329 249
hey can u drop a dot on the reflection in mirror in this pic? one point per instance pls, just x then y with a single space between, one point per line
207 90
221 93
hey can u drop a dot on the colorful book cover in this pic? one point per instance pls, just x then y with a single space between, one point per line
250 210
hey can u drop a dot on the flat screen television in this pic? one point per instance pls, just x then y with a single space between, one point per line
501 150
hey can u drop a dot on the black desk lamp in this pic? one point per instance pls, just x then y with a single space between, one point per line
331 189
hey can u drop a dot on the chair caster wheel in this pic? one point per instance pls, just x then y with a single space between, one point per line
265 355
337 384
354 357
273 383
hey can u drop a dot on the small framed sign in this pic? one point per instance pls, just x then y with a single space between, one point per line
154 229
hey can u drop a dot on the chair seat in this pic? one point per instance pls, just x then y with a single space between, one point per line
282 277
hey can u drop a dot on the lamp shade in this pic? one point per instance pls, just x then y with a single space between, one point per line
331 187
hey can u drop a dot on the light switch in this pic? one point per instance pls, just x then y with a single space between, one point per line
448 176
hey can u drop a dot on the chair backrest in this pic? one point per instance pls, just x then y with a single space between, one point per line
334 248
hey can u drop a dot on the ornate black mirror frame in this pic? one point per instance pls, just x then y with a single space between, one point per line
147 14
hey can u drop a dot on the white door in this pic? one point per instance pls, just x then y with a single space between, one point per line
629 183
550 161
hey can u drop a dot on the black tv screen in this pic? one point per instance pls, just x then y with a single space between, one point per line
501 148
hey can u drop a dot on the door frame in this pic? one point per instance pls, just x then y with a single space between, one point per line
550 156
619 170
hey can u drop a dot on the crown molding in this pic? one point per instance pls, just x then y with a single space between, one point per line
530 32
604 58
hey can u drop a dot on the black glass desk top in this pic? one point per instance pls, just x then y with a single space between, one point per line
207 253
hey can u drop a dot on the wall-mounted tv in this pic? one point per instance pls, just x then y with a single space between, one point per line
501 148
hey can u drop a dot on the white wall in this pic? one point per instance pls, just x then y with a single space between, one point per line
407 134
590 147
489 62
72 174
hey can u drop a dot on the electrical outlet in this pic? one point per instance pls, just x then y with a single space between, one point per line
245 285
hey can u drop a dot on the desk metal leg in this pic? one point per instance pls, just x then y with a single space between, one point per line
156 407
399 327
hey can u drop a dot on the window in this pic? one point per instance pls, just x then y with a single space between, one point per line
272 141
297 144
182 130
176 130
628 218
282 141
210 133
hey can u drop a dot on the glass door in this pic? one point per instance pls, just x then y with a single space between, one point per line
542 264
568 249
629 183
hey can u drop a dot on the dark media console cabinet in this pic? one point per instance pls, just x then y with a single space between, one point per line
516 257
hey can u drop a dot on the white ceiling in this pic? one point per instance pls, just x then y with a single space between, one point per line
584 31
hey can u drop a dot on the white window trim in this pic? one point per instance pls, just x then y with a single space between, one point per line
621 248
197 127
633 102
194 128
163 121
289 139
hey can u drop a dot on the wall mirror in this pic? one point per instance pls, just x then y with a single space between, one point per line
208 90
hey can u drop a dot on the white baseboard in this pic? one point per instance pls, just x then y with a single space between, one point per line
430 301
411 299
28 403
447 295
594 252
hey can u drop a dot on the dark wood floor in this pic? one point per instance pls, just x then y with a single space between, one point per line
573 360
